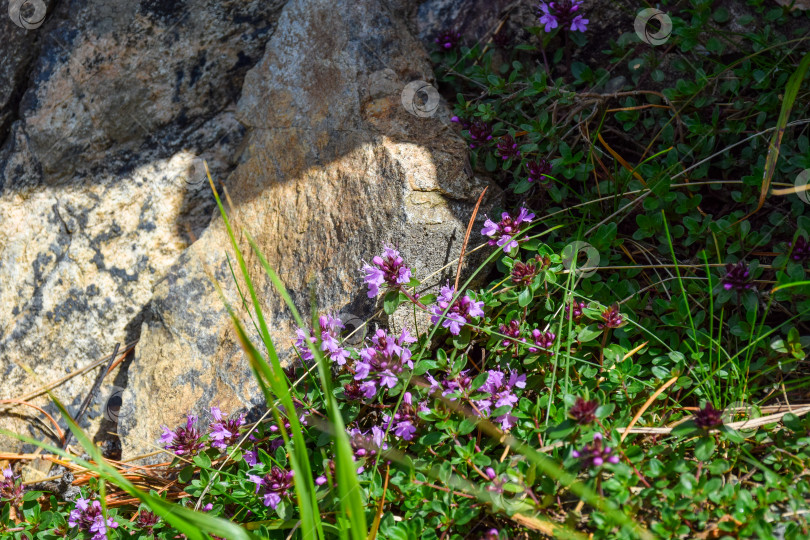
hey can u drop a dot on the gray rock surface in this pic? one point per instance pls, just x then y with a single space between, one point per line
109 232
334 166
103 109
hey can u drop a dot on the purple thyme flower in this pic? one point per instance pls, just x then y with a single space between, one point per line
491 534
737 277
595 454
382 362
460 384
500 388
251 457
512 331
544 341
330 332
800 251
183 441
449 39
524 273
368 444
507 147
611 318
321 480
88 517
465 124
497 484
11 488
459 313
275 485
576 308
389 269
503 234
538 170
583 412
480 133
404 420
224 431
708 417
579 24
562 14
146 520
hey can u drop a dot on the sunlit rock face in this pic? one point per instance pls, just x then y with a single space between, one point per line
109 234
104 109
334 166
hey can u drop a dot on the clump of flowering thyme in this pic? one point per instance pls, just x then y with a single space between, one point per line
458 313
508 148
583 411
329 332
89 517
388 270
448 40
574 309
274 485
367 444
224 431
538 171
504 232
562 14
501 389
183 441
11 488
596 455
543 341
738 277
512 333
146 521
708 417
480 133
611 318
800 250
382 362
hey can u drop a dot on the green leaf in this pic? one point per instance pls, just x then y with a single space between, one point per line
479 381
525 297
32 495
685 429
603 411
391 302
732 435
704 448
185 474
466 426
202 461
562 430
589 333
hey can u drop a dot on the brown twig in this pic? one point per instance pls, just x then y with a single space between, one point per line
467 236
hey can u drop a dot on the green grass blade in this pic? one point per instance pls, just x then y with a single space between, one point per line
195 525
311 525
352 504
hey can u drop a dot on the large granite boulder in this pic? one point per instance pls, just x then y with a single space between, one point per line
110 235
104 109
334 166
